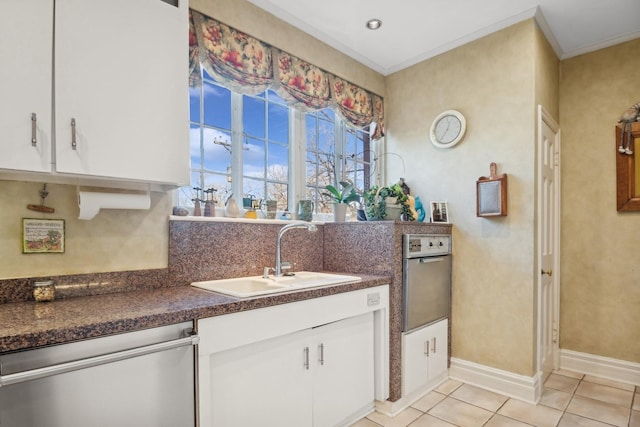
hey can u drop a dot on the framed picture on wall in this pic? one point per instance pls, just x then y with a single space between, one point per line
440 212
42 236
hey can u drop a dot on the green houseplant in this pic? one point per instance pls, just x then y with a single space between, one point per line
341 199
381 201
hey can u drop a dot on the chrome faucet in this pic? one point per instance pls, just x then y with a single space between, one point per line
279 264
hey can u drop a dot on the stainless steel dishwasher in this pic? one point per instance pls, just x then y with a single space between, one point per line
426 279
142 378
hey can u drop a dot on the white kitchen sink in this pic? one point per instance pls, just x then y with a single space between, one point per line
252 286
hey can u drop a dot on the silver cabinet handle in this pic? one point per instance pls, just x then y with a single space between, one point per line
306 358
47 371
73 134
34 120
321 354
426 348
430 260
434 345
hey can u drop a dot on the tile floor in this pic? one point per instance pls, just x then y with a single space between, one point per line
569 399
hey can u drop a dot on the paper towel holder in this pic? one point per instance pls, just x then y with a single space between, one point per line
91 202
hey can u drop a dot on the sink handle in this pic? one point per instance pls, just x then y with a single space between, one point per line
265 272
285 265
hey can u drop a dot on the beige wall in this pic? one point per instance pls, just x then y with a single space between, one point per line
492 82
600 286
115 240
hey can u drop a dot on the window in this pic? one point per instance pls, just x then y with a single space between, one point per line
245 144
333 149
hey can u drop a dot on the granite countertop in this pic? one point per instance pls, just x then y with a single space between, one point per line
25 325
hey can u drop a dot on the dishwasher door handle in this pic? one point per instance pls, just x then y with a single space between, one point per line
47 371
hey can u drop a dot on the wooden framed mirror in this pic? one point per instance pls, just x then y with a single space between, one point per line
627 180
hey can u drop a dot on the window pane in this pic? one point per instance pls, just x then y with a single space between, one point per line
194 104
326 136
217 106
278 164
253 116
278 192
253 187
254 158
194 146
278 123
312 132
327 114
351 143
274 97
217 155
326 169
312 165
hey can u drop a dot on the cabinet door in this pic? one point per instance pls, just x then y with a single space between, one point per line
344 370
26 42
424 356
121 75
416 349
262 384
439 349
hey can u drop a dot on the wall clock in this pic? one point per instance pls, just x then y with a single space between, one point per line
448 129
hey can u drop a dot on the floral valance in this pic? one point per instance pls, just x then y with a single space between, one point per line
247 65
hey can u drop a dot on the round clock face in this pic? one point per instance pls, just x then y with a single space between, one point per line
448 129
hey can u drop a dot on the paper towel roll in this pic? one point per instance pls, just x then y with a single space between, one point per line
90 203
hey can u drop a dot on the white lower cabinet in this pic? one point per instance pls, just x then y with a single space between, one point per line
424 357
316 377
343 369
264 383
321 362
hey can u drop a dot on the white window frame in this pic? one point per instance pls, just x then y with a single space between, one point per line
297 152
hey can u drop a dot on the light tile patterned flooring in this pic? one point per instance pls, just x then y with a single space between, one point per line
569 400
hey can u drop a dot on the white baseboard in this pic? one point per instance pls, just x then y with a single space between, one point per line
391 409
527 389
600 366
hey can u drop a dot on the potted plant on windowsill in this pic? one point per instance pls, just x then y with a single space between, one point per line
388 202
341 199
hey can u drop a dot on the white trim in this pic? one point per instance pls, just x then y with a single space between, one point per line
391 409
600 366
528 389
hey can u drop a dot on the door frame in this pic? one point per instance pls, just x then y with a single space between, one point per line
544 118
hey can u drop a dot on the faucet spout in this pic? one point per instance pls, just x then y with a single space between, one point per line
309 226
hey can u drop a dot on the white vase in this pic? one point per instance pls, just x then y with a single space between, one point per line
339 212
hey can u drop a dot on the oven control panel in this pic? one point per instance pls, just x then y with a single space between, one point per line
424 245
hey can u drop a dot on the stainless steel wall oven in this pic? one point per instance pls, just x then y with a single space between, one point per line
426 279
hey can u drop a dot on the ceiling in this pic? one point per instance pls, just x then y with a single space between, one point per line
415 30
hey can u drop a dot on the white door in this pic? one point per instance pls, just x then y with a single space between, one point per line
548 239
26 49
343 370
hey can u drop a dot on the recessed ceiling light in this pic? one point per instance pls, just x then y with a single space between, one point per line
374 24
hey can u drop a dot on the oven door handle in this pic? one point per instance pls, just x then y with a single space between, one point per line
74 365
428 260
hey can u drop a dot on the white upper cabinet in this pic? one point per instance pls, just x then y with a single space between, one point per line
120 76
26 42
